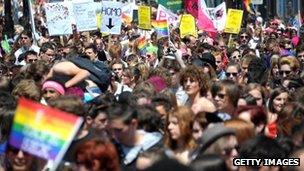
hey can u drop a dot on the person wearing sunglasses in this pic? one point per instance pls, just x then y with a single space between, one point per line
288 66
225 95
26 43
244 37
222 141
30 57
300 55
233 72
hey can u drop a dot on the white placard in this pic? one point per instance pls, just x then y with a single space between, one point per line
85 16
59 18
111 17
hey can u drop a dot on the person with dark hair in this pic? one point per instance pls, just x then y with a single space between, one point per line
91 52
38 71
26 43
148 119
277 101
47 52
28 57
246 99
261 147
124 128
226 94
257 71
209 162
196 85
52 88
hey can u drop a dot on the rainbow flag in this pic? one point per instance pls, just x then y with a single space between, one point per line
43 131
142 43
161 27
247 6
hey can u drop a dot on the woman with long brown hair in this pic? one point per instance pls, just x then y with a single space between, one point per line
178 134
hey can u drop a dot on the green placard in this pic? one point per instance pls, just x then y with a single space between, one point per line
173 5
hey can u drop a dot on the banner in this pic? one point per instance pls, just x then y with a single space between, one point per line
144 17
85 16
59 18
43 131
187 26
173 5
165 14
204 20
219 15
234 21
192 7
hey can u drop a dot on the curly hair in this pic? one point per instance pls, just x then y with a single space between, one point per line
194 73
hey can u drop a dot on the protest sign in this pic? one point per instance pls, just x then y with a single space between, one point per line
234 21
127 13
187 26
111 17
85 16
43 131
173 5
218 16
144 17
59 18
165 14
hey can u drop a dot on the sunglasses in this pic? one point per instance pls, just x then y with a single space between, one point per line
231 74
117 69
300 56
32 60
235 57
229 150
221 95
284 72
244 37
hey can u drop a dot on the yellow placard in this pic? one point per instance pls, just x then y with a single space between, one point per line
234 21
187 26
144 17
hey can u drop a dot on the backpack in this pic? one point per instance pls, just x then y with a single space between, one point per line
100 73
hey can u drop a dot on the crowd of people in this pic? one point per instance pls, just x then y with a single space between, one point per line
191 103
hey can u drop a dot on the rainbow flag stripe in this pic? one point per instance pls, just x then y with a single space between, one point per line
247 5
43 131
142 43
161 27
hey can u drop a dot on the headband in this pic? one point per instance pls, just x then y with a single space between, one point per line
52 84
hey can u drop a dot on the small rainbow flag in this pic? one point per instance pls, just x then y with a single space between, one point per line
161 27
142 43
126 18
247 6
43 131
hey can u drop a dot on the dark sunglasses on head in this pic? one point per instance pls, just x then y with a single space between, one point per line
229 74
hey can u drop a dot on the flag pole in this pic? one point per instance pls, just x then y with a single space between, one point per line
32 21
